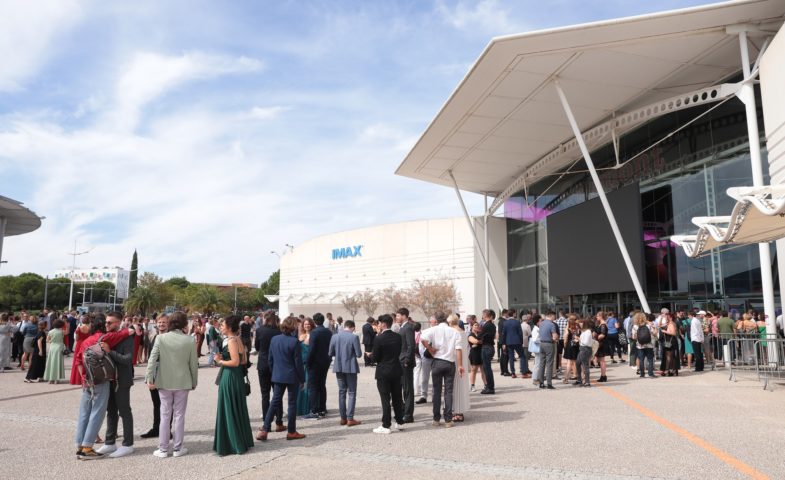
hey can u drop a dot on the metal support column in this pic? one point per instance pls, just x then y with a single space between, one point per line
3 222
486 251
601 192
747 96
488 277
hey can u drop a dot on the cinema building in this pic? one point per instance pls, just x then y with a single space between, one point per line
635 162
317 275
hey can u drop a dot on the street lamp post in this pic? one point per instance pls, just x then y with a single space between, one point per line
73 267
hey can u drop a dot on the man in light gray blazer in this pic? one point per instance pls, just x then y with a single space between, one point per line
345 348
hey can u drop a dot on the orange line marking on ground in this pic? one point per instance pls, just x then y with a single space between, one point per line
730 460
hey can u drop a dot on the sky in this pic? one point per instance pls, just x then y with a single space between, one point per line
207 135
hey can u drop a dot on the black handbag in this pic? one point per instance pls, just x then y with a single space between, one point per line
247 385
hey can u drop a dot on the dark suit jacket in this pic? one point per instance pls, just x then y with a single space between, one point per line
408 347
264 335
386 355
511 333
368 335
285 360
319 356
500 329
122 356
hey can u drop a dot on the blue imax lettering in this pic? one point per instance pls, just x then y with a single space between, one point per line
347 252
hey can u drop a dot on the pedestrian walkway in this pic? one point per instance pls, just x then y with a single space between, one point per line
694 425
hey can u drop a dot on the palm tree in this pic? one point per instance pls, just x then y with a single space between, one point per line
207 299
142 300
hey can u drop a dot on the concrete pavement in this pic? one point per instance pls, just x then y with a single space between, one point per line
695 425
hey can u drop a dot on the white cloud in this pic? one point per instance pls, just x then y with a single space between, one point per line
490 16
27 34
266 113
149 75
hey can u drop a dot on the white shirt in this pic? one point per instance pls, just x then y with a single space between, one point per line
696 330
586 338
445 339
536 334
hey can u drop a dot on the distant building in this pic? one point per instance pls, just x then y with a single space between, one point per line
120 277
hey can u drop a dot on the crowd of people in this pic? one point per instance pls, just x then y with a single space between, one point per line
294 356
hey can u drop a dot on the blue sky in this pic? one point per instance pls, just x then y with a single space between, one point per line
206 134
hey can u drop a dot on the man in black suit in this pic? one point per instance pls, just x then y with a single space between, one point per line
119 406
407 362
368 335
318 364
264 335
500 352
387 356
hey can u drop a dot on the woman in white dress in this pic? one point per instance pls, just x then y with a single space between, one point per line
461 385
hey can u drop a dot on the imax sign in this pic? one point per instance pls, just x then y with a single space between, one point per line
347 252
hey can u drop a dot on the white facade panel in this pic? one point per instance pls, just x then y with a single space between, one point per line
120 277
317 274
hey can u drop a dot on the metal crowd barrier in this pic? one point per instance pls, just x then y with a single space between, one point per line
771 361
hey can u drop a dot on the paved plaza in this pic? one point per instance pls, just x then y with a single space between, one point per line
692 426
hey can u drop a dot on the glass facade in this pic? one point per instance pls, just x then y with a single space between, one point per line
683 175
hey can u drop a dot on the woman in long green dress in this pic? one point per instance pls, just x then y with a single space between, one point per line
233 433
303 399
55 368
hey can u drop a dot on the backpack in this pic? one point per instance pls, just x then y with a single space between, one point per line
99 367
644 335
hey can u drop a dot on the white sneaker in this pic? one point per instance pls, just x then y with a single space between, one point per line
398 427
121 452
180 453
106 449
160 453
381 429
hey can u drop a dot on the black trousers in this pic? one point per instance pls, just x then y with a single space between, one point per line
487 355
408 393
503 360
317 388
120 406
266 385
390 392
697 349
156 408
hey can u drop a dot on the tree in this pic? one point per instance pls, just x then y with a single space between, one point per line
178 282
394 298
352 304
435 295
369 301
100 292
134 271
207 299
143 300
272 286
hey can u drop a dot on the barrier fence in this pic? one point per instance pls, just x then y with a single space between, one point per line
746 355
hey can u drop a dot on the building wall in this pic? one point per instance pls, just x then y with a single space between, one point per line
772 79
390 255
118 276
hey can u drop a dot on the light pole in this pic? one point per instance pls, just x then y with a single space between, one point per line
73 267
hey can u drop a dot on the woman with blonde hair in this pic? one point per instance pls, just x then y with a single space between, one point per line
461 384
644 343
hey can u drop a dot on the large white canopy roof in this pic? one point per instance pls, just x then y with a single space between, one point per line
19 219
504 122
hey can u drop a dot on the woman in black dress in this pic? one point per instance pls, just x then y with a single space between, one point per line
571 346
475 355
602 334
38 359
